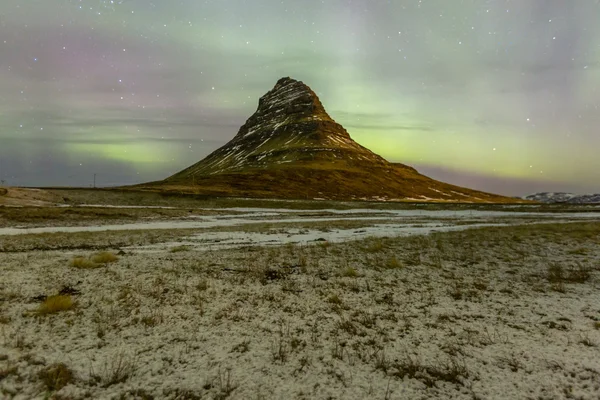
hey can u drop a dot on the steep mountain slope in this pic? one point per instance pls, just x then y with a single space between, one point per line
561 197
291 148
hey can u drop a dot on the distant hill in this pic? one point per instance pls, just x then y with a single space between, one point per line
291 148
13 196
562 197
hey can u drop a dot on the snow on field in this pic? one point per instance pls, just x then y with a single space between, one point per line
197 223
468 213
255 215
121 206
499 313
235 239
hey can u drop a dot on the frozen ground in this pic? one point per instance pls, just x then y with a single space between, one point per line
246 216
278 304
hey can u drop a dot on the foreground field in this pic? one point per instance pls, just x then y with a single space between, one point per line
497 312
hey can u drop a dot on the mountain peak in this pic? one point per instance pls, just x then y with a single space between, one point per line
286 82
290 102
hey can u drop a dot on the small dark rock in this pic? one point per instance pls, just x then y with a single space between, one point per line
40 298
68 290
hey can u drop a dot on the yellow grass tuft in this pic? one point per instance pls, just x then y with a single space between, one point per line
104 257
54 304
393 263
83 263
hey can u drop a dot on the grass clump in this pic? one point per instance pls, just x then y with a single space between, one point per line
202 285
54 304
324 244
179 249
83 263
334 299
374 246
350 272
56 376
453 371
575 274
579 274
104 257
117 369
393 263
555 273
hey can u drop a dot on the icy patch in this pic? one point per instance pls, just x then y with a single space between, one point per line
226 240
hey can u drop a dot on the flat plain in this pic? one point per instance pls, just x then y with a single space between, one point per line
126 296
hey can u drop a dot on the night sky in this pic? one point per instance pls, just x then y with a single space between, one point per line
496 95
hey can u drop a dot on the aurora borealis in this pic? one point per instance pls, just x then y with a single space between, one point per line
496 95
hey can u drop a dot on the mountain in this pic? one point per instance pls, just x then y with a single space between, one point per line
561 197
291 148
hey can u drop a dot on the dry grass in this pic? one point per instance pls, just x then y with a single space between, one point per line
84 263
452 371
56 376
88 240
77 216
574 274
374 245
54 304
116 369
334 299
179 249
393 263
350 272
104 257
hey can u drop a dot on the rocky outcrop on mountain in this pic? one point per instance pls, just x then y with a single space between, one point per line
291 148
562 197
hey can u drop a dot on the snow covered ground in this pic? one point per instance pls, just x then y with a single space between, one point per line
273 304
247 216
